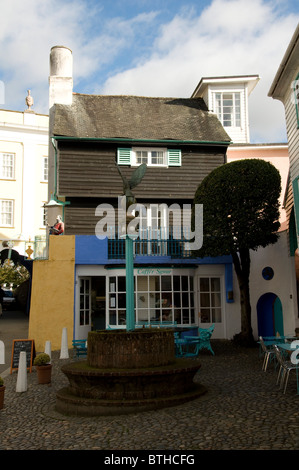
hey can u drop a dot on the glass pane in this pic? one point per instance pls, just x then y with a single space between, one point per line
185 285
143 315
112 284
216 300
112 301
204 300
121 301
177 315
112 317
204 284
157 300
157 283
165 283
142 283
177 299
166 300
192 319
204 316
176 283
186 316
215 284
185 299
122 284
142 300
121 317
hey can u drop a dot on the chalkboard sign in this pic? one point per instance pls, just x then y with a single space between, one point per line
18 346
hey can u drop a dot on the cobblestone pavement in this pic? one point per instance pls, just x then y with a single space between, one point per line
243 409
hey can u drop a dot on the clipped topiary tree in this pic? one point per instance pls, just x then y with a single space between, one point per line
240 213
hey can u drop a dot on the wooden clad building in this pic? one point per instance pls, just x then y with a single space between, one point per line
96 133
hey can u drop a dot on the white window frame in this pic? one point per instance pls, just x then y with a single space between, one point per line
150 158
219 110
211 309
45 169
3 155
147 307
6 213
44 215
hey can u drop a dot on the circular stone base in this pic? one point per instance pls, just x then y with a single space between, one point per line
68 404
95 392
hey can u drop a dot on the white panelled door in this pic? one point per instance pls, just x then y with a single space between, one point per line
83 308
211 304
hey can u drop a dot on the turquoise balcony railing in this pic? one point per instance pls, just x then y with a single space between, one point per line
153 242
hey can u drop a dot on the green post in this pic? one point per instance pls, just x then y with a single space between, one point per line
130 315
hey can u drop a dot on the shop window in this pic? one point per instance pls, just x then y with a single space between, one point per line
157 298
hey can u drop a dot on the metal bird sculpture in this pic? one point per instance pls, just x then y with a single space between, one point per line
136 178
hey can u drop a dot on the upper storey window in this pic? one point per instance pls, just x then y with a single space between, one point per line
7 166
156 157
228 109
150 157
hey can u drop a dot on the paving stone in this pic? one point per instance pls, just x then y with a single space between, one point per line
243 409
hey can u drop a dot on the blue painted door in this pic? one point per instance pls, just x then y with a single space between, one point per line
270 315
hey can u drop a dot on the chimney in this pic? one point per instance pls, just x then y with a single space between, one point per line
61 76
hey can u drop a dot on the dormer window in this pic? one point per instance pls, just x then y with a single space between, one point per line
157 157
228 108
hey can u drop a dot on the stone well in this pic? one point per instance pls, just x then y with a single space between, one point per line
128 372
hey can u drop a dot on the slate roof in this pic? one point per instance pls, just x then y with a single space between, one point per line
136 117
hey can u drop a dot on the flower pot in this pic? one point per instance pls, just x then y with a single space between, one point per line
44 373
2 388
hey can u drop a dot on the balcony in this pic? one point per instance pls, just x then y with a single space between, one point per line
153 243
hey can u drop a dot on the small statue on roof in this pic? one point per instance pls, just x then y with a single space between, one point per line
29 100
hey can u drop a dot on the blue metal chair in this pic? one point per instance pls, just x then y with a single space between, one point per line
204 338
268 352
284 369
80 347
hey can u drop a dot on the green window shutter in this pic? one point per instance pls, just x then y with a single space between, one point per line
174 157
124 156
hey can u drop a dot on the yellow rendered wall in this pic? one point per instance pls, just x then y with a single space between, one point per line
52 295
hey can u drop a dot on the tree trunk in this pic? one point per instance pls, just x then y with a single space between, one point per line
242 267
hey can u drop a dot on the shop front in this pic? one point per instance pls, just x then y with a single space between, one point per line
187 297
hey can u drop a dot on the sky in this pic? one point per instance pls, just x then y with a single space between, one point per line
158 48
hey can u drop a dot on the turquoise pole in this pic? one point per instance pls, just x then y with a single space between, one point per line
130 315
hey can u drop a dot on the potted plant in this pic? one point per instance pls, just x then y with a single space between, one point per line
2 388
43 366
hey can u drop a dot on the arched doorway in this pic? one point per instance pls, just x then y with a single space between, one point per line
24 291
269 315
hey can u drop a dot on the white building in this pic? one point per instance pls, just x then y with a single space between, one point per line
23 178
274 297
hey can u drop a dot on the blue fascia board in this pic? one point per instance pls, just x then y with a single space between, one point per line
89 250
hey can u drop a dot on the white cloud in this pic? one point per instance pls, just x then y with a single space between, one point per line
28 30
141 54
230 37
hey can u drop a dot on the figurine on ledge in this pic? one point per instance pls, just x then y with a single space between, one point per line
58 228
